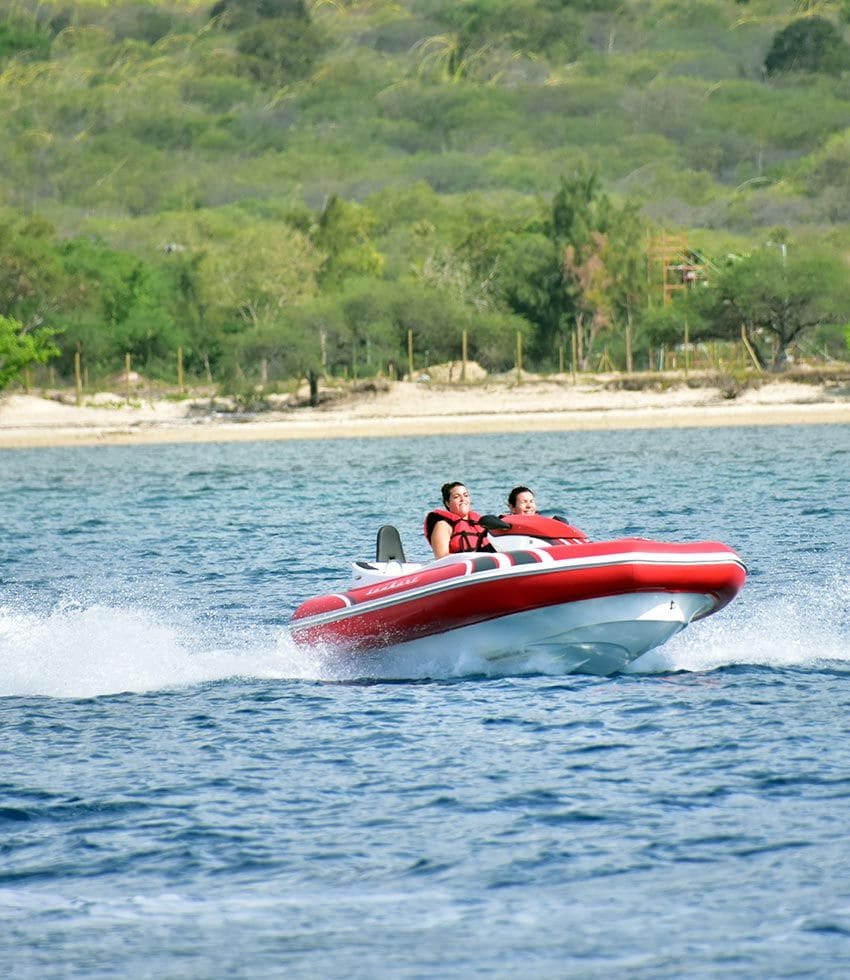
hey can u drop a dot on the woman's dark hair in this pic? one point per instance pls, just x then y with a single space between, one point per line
515 493
447 490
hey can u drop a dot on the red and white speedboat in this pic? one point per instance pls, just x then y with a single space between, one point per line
547 600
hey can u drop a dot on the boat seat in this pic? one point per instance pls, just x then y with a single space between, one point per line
388 546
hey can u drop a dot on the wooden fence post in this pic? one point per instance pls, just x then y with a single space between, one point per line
180 370
127 374
410 354
78 382
464 355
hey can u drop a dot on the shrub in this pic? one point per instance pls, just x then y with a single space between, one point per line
809 44
18 38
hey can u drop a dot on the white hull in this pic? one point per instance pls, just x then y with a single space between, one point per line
596 636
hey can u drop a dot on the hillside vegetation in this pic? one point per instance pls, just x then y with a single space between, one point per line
278 188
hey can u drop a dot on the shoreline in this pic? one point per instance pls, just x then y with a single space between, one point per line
410 409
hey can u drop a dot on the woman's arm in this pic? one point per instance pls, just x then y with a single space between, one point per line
440 539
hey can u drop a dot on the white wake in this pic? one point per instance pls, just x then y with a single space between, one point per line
82 652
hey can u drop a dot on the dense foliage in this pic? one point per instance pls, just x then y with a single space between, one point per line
281 188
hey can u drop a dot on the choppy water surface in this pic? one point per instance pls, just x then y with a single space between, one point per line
184 795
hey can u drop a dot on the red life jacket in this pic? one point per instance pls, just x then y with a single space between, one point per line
467 533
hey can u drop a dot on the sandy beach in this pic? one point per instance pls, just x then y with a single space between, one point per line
416 408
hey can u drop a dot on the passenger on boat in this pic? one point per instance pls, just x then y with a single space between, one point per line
455 528
521 501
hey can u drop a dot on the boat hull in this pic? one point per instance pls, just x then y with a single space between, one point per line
592 608
596 636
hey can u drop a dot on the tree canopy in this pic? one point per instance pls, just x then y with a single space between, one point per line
775 295
19 349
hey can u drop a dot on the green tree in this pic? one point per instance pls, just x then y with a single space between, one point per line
367 308
24 37
257 272
344 235
493 336
514 270
777 296
517 269
278 52
32 280
204 344
664 325
236 14
527 27
628 286
305 341
585 224
19 348
572 228
117 304
808 44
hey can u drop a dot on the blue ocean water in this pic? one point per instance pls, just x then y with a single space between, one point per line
183 794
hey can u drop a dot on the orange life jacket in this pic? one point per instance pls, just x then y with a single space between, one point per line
467 534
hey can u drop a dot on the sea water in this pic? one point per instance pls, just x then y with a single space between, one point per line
183 794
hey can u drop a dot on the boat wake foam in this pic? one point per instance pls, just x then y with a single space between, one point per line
75 652
810 629
84 652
